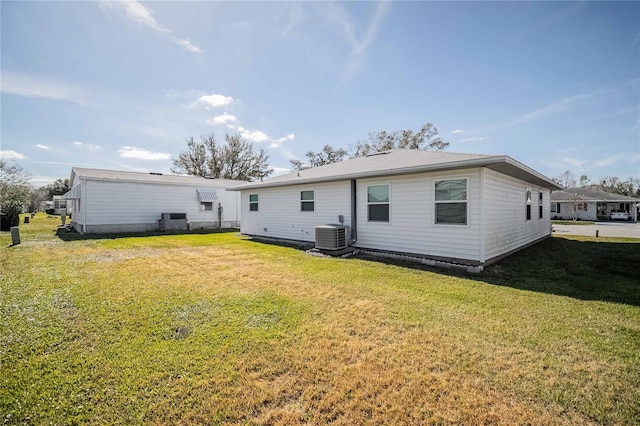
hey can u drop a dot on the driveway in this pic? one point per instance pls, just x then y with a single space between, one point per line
605 229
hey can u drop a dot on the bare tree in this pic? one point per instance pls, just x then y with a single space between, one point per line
328 155
566 179
577 204
424 139
235 159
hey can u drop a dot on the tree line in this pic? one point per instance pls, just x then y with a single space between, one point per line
612 184
236 158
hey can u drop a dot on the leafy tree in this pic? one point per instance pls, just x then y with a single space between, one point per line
584 181
328 155
424 139
59 187
37 196
235 159
15 191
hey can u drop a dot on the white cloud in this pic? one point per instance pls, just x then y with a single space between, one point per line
574 162
618 158
140 14
278 171
457 131
86 145
277 142
223 119
43 146
556 107
358 47
254 136
214 101
41 87
142 154
471 139
11 155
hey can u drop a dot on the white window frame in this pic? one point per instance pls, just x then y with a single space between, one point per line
256 202
388 203
436 202
203 206
528 201
313 201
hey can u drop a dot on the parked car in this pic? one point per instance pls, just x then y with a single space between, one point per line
618 215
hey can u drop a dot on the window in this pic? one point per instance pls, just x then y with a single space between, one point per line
528 205
555 207
206 205
451 201
378 203
253 202
540 199
307 201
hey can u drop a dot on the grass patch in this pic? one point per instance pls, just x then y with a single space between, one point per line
217 329
572 222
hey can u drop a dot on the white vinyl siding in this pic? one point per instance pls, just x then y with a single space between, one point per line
505 200
280 215
141 204
412 227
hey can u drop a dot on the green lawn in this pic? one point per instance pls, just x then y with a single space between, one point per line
217 329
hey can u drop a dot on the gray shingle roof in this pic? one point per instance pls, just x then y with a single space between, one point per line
589 195
404 161
117 175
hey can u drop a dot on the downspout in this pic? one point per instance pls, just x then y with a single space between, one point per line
354 217
483 228
83 194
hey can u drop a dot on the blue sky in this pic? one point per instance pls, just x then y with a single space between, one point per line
555 85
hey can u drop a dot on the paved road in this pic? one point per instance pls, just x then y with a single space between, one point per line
605 229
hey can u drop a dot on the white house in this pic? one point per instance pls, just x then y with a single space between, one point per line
463 208
57 204
102 201
590 204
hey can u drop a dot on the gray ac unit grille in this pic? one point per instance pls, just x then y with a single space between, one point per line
331 237
173 222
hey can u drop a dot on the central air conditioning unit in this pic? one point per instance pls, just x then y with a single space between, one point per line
173 222
331 237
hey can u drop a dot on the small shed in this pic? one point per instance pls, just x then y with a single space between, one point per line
104 201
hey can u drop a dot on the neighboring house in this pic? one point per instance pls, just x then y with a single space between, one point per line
56 205
590 204
465 208
102 201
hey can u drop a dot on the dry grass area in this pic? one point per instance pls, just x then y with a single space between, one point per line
217 329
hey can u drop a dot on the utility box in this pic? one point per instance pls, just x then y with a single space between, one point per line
174 222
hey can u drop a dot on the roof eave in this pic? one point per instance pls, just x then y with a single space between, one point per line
490 162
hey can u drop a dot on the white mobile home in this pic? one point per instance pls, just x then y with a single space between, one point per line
103 201
463 208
